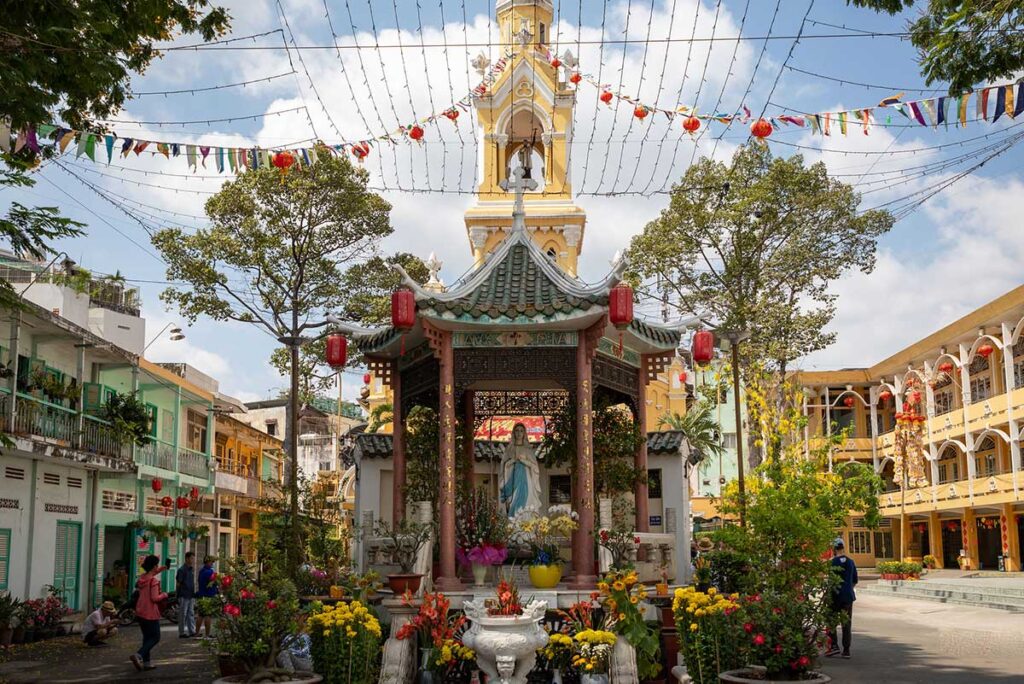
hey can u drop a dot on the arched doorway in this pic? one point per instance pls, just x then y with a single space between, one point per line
951 543
989 541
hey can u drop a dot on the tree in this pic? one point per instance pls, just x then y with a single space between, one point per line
366 297
275 257
381 415
754 246
698 426
964 42
73 61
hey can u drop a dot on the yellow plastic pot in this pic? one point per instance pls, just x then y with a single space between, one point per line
545 576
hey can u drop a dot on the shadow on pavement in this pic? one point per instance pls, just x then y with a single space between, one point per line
878 660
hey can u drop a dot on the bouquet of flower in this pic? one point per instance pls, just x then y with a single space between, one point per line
345 643
557 654
593 649
622 594
543 532
439 631
483 531
507 601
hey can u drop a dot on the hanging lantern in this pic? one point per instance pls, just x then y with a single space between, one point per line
452 114
946 367
703 349
884 396
157 484
606 97
682 377
360 151
194 493
366 378
620 306
182 503
691 124
915 397
760 129
416 132
283 161
403 313
166 501
575 78
337 350
986 350
641 112
848 401
555 62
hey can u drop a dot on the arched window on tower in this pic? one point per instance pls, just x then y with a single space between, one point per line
525 130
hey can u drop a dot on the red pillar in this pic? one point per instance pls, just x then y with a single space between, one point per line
397 448
643 520
448 579
468 446
583 540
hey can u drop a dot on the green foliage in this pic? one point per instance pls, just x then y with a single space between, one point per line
72 61
128 418
729 571
381 415
699 427
905 568
964 42
404 539
422 436
368 286
616 439
9 608
754 246
318 524
930 561
710 635
622 591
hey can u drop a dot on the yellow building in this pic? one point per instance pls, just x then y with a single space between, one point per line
530 105
968 379
247 459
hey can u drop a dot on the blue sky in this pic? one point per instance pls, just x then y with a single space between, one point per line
928 270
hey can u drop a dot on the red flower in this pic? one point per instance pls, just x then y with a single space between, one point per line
636 539
759 639
804 661
232 610
245 595
226 581
778 649
604 536
271 604
777 610
748 627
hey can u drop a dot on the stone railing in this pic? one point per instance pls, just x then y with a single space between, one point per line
378 553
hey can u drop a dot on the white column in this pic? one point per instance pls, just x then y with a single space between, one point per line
965 394
1011 418
828 426
873 403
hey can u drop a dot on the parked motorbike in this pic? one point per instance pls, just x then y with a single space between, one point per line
126 612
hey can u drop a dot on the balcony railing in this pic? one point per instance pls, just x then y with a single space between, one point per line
40 418
195 463
156 454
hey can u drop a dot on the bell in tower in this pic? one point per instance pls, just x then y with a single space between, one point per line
525 118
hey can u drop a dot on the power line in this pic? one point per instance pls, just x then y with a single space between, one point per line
246 117
206 89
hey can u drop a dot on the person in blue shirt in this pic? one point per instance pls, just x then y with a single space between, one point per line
843 596
207 589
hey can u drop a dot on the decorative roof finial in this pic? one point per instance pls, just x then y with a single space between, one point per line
523 35
434 283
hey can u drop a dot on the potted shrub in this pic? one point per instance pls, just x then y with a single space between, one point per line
483 533
543 533
405 541
622 595
709 632
930 562
258 621
9 607
345 642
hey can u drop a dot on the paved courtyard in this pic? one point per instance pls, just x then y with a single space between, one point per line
67 660
904 641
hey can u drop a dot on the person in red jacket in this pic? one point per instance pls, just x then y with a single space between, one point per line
147 611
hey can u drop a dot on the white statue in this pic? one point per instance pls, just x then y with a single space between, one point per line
520 475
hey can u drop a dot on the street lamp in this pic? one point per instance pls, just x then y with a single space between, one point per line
176 335
734 337
68 264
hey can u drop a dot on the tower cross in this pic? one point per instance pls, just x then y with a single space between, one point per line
520 183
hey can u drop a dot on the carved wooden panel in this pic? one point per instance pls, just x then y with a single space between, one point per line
420 384
616 375
557 364
654 365
381 368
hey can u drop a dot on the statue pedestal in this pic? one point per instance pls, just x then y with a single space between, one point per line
399 662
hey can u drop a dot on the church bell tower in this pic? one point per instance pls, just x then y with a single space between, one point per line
525 119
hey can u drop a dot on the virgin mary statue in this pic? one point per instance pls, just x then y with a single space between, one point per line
520 475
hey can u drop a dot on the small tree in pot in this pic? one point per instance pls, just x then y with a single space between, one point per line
404 540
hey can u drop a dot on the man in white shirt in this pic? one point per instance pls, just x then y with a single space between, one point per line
100 625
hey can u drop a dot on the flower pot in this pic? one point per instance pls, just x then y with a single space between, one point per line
6 636
661 588
594 679
755 675
399 584
241 679
423 674
545 576
230 666
479 574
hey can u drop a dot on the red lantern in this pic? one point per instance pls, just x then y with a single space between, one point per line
986 350
194 493
283 161
606 96
760 129
157 484
360 151
556 62
884 396
620 306
166 502
576 78
915 397
337 350
403 309
848 401
182 503
946 367
366 378
703 349
416 133
691 124
641 112
452 114
682 377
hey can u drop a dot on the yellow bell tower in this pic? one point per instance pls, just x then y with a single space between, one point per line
526 119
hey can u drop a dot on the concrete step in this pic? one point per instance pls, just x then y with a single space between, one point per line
1009 589
969 598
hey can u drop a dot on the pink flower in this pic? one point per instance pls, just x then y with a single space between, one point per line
226 581
271 604
748 627
778 649
246 595
804 661
636 539
759 639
